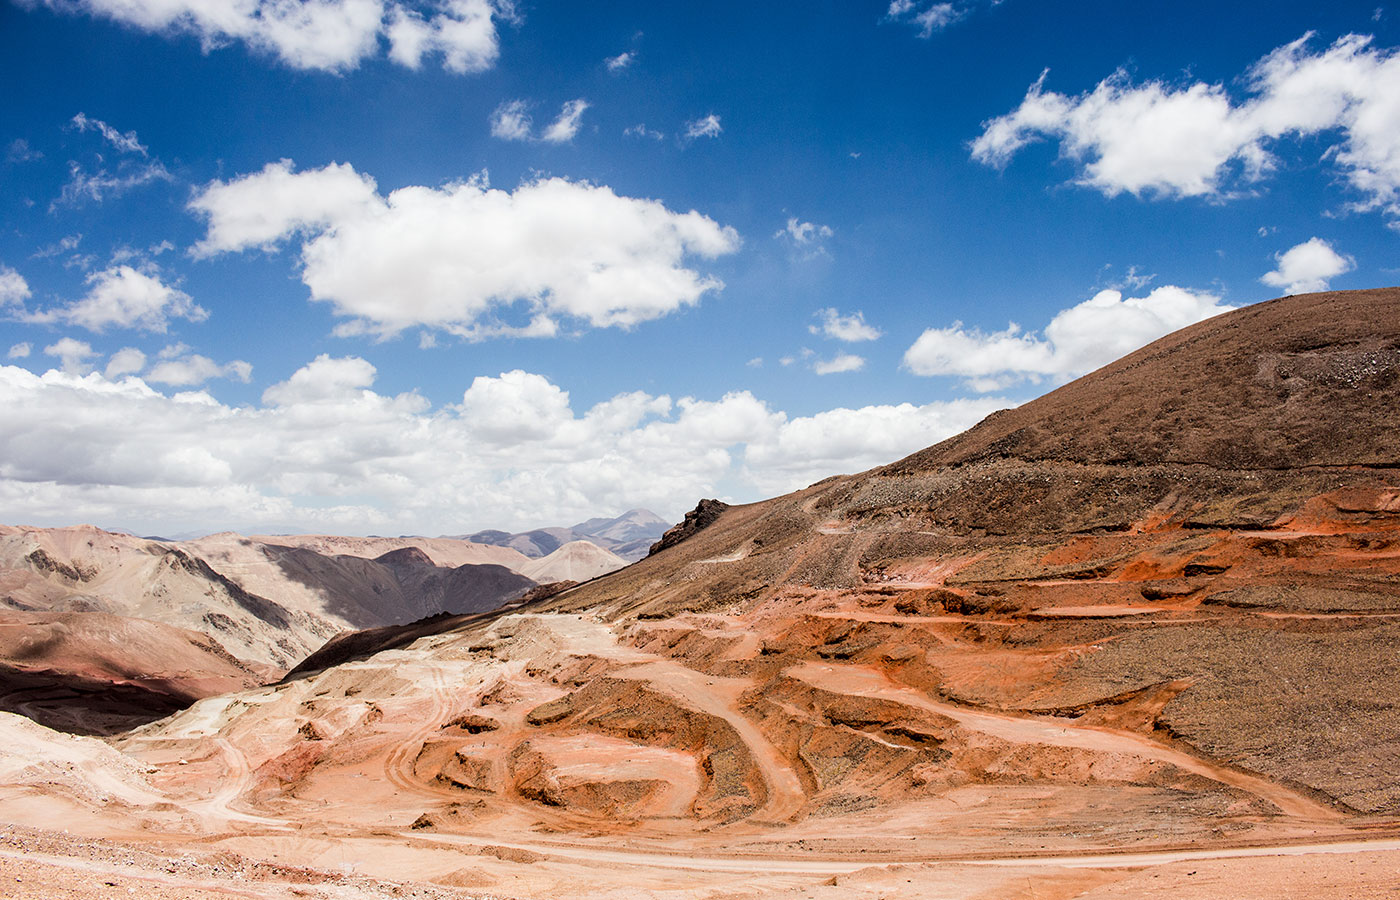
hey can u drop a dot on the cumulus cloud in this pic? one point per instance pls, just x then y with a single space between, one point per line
20 350
1194 140
261 209
324 450
14 290
511 121
329 35
806 239
806 449
620 62
803 232
463 32
706 126
185 369
852 328
1077 340
1307 267
563 129
841 362
72 354
126 361
123 297
468 259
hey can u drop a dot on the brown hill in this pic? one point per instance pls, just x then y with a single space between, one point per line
270 603
97 673
1091 625
1301 381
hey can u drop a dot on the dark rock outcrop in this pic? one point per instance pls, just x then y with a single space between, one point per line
702 516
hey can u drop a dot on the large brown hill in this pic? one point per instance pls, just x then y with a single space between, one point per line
1284 384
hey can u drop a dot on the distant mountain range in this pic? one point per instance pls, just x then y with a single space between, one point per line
101 630
629 535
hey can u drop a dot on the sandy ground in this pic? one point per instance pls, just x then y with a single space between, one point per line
43 865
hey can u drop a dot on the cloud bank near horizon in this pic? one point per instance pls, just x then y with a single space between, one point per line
324 451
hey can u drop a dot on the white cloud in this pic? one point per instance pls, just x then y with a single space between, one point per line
124 297
65 244
126 361
103 185
517 407
806 237
928 19
463 32
124 142
330 35
620 62
841 362
326 378
1077 340
1194 140
19 151
852 328
511 121
471 260
804 450
563 129
20 350
187 369
1307 267
14 290
325 451
72 354
707 126
641 130
259 210
804 232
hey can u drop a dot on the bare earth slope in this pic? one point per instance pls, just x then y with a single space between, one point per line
1134 639
97 673
101 632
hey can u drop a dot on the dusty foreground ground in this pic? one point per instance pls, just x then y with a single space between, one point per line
37 865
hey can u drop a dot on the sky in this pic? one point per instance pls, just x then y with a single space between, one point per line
394 266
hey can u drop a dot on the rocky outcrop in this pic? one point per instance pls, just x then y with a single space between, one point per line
702 516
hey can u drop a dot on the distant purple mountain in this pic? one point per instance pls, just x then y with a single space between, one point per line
629 535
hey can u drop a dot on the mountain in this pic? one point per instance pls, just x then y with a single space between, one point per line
98 673
269 601
629 535
1134 638
575 561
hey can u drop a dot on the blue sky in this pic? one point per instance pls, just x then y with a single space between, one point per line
386 266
